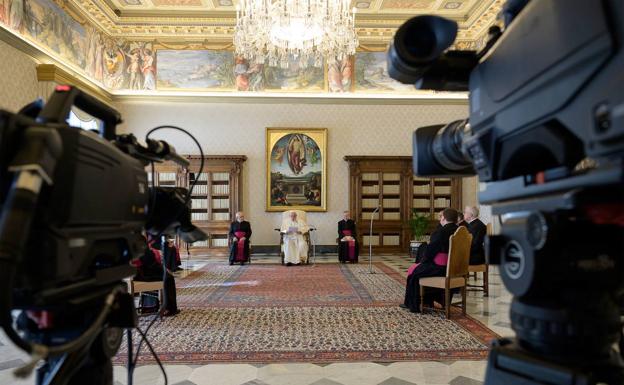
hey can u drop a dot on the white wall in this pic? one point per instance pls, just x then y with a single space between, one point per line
239 129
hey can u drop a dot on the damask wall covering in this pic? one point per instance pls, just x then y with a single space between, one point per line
224 128
18 82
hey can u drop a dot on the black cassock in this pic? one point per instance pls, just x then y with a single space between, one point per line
478 230
344 254
439 243
170 302
235 254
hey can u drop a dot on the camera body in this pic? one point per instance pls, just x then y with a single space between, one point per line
75 207
88 223
545 135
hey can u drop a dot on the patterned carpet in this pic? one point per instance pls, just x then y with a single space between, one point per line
322 313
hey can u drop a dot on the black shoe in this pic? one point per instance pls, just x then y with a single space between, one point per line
231 263
170 313
289 264
414 310
403 306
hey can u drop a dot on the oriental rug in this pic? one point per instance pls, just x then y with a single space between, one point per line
323 313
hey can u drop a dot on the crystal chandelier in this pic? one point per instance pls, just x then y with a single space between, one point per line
280 31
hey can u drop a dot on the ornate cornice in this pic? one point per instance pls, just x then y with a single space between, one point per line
218 26
284 98
53 73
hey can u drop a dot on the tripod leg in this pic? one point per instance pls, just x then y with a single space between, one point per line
76 368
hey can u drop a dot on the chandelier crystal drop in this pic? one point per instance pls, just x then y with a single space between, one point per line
277 32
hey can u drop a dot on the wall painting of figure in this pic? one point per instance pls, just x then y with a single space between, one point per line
296 161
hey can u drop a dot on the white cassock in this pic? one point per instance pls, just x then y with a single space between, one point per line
295 246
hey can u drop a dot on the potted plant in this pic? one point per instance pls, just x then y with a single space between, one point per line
419 223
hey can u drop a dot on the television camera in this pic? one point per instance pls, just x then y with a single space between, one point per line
545 135
75 206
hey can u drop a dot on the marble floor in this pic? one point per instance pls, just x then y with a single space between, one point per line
493 311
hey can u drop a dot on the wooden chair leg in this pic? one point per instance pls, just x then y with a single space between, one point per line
447 302
422 299
463 294
486 285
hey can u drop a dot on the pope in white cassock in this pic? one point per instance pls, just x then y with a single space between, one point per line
295 246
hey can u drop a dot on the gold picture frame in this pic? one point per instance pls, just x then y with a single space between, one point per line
296 169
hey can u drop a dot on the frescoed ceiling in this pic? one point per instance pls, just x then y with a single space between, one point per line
212 21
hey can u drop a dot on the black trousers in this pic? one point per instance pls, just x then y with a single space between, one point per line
477 259
412 289
170 302
343 251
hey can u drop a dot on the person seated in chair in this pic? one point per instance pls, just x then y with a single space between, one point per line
149 267
461 221
154 258
348 247
240 234
478 230
295 245
433 263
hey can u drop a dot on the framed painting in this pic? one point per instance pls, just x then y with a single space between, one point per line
296 169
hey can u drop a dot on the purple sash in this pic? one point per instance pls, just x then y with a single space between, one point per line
240 252
441 259
347 233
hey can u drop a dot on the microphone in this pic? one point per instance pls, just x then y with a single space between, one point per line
370 243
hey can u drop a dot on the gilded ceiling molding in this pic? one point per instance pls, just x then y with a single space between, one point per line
91 12
372 47
71 10
480 27
190 45
341 99
478 9
219 25
53 73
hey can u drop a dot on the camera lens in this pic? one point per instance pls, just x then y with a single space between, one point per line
447 147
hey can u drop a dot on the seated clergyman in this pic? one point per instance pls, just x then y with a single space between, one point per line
240 234
295 245
433 263
348 247
478 230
